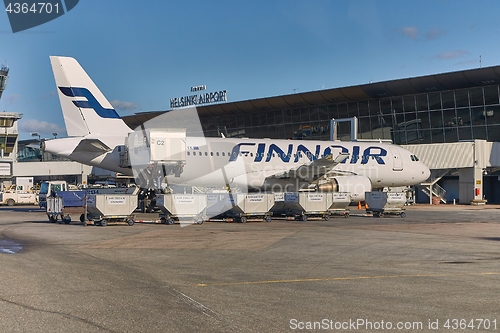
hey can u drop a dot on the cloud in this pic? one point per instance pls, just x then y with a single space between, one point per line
42 127
122 105
413 33
410 32
451 55
434 33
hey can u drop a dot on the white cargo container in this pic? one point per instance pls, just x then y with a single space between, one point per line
218 204
340 203
240 206
182 207
104 208
302 205
380 203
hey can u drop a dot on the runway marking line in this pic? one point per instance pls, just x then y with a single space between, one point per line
347 278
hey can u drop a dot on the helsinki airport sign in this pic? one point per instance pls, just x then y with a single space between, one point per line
199 99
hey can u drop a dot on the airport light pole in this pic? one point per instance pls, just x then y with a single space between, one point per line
36 134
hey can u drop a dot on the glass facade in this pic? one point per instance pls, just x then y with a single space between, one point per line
433 117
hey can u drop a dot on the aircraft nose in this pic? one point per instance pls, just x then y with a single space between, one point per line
426 173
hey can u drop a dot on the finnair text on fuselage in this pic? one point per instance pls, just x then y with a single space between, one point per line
293 152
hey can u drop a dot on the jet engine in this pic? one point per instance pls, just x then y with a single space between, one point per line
355 185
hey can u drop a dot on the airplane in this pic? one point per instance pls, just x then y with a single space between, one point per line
97 136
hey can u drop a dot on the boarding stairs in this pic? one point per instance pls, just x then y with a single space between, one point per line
431 185
437 191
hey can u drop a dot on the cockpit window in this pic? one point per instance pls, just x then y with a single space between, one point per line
414 158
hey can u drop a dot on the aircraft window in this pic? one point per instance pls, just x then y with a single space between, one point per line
217 153
189 153
251 154
206 154
412 157
211 153
223 154
416 158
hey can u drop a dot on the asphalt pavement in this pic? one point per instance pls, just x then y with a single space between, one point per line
437 269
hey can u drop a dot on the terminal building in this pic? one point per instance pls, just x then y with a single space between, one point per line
451 121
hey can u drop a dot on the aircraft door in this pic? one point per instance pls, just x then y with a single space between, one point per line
397 162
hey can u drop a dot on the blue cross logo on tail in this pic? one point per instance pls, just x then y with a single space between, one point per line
90 103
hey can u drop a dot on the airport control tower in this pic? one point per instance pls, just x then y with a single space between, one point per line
8 131
4 75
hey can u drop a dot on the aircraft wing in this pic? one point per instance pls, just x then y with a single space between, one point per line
317 168
91 146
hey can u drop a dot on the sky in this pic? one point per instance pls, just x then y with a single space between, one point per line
143 53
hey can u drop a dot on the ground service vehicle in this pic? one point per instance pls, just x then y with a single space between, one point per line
18 195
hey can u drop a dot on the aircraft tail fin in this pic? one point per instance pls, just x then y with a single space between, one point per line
85 109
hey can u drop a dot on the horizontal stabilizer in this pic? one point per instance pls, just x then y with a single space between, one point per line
91 146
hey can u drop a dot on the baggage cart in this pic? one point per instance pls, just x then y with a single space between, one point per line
218 204
73 205
382 203
340 204
182 207
243 207
54 209
105 208
303 205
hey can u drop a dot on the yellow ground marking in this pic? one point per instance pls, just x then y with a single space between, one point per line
346 278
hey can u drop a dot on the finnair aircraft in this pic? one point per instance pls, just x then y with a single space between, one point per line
98 137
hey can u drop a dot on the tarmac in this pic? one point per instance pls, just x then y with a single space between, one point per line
437 269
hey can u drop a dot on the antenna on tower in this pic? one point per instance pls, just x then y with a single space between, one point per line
4 75
480 61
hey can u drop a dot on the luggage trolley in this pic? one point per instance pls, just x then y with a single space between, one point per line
182 207
55 209
105 208
382 203
243 207
303 205
66 204
340 204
